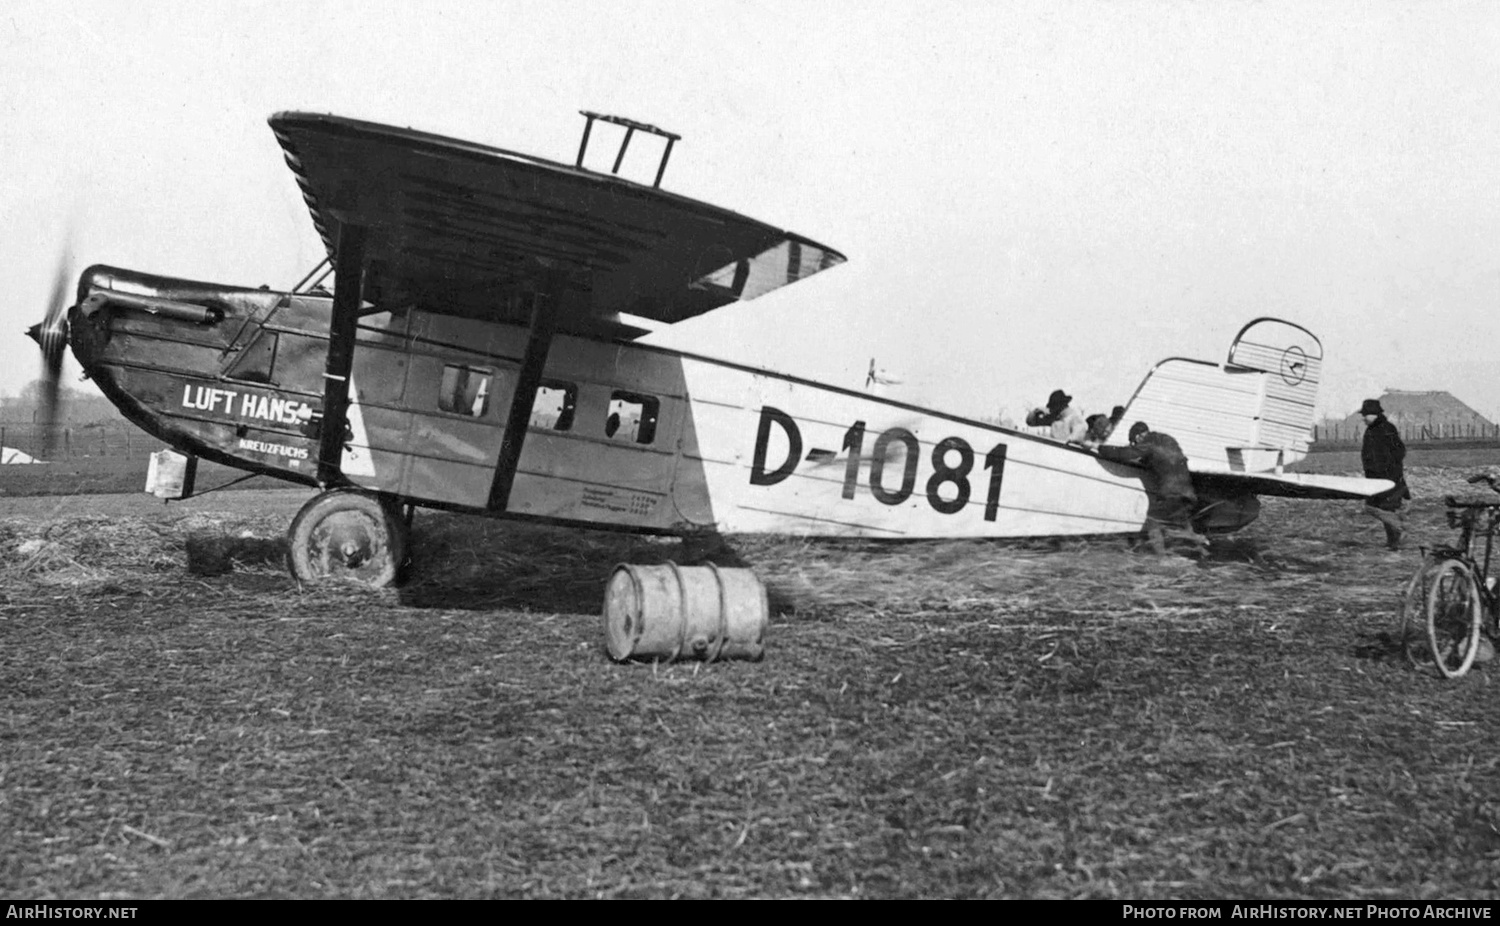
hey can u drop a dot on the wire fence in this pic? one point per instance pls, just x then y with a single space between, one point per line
73 442
1411 432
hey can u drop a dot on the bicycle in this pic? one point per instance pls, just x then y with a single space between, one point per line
1454 591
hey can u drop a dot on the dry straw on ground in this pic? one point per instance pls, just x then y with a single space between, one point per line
1059 719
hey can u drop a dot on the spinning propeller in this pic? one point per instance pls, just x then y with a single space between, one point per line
51 333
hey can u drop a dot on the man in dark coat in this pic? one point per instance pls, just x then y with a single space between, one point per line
1169 485
1382 455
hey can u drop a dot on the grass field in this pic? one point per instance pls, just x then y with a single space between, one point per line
1063 719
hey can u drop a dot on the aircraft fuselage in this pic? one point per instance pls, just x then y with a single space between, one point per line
622 435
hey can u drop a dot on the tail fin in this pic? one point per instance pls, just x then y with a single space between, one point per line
1254 413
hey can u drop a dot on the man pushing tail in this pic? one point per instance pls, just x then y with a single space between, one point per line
1169 485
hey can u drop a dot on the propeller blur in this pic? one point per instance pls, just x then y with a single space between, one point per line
51 334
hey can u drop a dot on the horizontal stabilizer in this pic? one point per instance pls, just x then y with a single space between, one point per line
1290 485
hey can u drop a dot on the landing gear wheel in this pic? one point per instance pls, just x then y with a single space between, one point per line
1454 616
347 534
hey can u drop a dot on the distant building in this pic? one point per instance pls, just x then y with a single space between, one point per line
1419 415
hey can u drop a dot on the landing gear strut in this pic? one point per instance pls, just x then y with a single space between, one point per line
348 534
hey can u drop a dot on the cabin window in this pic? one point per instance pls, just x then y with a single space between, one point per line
466 390
632 417
257 361
554 405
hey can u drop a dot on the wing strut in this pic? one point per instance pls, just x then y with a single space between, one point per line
543 324
348 282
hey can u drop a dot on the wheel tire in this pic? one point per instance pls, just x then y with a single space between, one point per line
348 535
1454 616
1411 631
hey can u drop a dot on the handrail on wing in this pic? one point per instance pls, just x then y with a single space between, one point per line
630 129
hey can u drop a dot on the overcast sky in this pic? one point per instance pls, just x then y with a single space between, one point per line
1031 195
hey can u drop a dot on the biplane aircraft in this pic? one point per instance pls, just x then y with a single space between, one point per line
479 352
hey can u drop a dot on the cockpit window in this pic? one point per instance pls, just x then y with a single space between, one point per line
257 361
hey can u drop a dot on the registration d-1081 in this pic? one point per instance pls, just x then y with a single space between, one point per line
948 487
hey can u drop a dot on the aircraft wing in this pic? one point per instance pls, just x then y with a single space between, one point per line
1290 485
466 229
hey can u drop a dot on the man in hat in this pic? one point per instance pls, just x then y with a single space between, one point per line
1382 455
1067 423
1169 484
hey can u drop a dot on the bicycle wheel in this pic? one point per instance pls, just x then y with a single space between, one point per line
1411 627
1454 614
